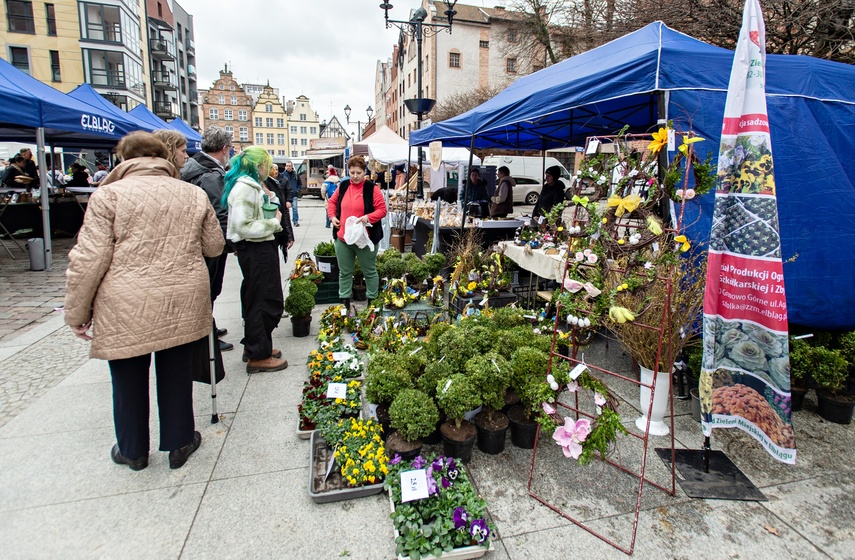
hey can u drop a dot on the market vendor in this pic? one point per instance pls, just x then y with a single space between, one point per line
551 194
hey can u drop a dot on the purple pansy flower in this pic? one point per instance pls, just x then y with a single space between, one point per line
445 482
437 464
461 518
419 462
431 481
479 530
395 460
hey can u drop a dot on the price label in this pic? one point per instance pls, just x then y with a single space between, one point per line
325 267
343 312
341 356
592 146
672 140
414 485
337 391
577 371
372 411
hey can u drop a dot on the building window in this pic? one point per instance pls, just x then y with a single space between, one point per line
270 140
55 72
293 153
270 152
280 152
293 141
258 121
302 130
268 122
221 99
113 69
280 123
231 131
280 139
268 108
511 65
222 86
20 16
234 100
51 20
484 44
512 36
214 114
304 142
259 138
244 134
302 116
313 129
228 115
293 130
20 58
242 114
453 60
232 87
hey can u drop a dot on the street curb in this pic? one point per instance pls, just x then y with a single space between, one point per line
11 347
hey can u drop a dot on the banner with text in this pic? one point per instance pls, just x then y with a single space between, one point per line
745 376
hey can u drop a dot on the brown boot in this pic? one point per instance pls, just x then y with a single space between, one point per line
268 364
277 353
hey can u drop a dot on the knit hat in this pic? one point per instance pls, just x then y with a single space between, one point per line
333 171
554 171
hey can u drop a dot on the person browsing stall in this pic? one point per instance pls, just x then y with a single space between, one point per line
358 197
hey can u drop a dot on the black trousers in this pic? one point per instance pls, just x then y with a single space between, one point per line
216 271
173 370
260 296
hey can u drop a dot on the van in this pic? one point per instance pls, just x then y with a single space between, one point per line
299 166
528 172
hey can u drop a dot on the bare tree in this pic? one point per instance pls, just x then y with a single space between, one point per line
460 103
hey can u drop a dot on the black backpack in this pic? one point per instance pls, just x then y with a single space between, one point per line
375 232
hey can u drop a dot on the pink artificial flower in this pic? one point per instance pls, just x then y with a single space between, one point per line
580 257
548 408
599 400
592 258
571 435
650 181
573 386
679 193
690 194
587 252
648 265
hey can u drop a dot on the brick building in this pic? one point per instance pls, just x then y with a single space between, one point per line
228 106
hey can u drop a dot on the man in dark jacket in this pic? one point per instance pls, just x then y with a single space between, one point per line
206 169
503 201
284 238
292 179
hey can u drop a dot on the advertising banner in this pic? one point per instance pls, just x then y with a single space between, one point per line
745 375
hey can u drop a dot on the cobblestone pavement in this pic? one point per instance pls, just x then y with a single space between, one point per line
28 297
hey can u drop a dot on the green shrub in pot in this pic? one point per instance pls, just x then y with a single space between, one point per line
435 263
434 372
383 385
528 377
491 375
413 414
417 270
456 396
325 249
301 298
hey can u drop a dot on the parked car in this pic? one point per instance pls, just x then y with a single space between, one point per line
528 172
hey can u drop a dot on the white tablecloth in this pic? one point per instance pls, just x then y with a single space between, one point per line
538 262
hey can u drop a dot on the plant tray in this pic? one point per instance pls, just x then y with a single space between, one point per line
456 553
502 299
412 308
334 489
303 434
327 292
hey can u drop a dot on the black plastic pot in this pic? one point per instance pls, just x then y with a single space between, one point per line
359 293
406 455
491 441
523 430
332 262
435 436
385 421
301 326
797 398
850 383
459 449
835 410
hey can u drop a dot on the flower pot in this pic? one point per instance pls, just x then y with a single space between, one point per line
491 436
660 402
329 266
359 293
301 326
458 442
523 430
835 408
435 436
385 421
850 384
397 240
332 488
696 404
407 450
797 398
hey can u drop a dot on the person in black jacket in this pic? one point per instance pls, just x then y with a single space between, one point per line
285 238
206 169
551 194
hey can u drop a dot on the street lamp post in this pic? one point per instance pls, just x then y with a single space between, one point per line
418 29
369 111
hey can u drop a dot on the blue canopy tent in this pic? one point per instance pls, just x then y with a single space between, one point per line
655 74
87 94
194 139
144 114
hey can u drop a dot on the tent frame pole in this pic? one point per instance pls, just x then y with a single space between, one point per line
44 197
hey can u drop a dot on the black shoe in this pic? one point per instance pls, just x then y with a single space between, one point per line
225 346
222 332
296 225
178 457
134 464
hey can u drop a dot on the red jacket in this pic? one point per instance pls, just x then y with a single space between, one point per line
353 205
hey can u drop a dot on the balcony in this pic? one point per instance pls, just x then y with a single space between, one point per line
194 121
161 49
164 80
191 72
191 47
166 109
193 97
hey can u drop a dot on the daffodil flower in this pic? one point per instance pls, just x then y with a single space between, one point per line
660 140
684 148
683 242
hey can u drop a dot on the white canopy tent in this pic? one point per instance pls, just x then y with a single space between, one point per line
383 135
396 154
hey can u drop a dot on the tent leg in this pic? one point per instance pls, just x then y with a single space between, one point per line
44 198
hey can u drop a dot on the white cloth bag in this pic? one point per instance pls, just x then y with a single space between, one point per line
355 233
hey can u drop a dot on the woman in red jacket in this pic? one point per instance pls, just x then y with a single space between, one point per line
357 197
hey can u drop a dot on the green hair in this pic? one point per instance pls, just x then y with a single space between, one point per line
246 163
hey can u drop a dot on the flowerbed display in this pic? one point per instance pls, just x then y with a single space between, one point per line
334 359
451 518
317 405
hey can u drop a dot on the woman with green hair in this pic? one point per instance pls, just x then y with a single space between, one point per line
257 253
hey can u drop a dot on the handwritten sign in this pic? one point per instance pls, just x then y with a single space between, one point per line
337 391
341 356
414 485
577 371
325 267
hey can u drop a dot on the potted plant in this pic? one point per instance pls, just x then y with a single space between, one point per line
828 368
384 379
413 415
327 262
846 348
800 368
435 263
359 286
491 374
417 270
299 305
528 380
456 395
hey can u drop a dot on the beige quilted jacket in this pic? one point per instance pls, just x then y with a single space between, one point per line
137 270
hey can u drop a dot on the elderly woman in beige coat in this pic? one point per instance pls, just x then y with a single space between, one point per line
137 276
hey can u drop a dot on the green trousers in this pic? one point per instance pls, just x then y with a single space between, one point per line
346 256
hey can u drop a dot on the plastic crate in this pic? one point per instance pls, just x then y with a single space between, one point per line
502 299
327 292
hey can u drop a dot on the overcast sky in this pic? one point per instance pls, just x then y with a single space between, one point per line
324 49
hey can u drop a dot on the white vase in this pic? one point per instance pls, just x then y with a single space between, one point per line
660 402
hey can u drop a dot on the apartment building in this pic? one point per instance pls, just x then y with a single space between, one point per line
303 125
